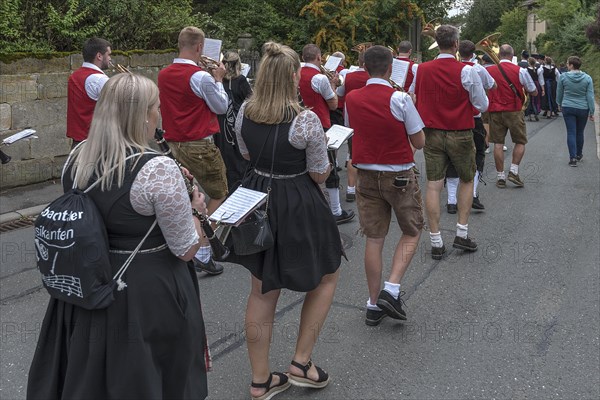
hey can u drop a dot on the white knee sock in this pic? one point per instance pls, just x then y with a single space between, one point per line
501 175
372 306
452 187
436 239
392 288
462 230
351 189
334 201
475 183
514 168
203 254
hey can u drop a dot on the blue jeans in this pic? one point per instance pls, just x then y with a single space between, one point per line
575 120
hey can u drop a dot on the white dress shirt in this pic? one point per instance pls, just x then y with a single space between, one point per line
95 82
320 83
524 78
471 82
404 110
204 86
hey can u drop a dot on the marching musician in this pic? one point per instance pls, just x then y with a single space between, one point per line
506 113
466 49
447 90
353 80
386 124
84 86
404 53
191 98
318 93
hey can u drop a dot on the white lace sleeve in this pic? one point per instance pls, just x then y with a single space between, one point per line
238 129
307 133
159 190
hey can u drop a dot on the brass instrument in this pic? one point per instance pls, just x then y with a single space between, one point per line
119 68
208 63
490 46
394 54
330 74
429 30
220 251
362 47
395 85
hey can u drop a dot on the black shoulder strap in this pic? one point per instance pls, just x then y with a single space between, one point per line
510 84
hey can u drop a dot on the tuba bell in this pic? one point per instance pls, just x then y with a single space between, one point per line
429 30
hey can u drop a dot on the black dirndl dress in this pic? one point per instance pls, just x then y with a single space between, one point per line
148 344
307 240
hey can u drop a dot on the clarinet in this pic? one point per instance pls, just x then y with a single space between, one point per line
220 251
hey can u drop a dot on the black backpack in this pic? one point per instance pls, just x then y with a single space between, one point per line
73 253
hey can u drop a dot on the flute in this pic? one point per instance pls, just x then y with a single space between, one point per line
220 251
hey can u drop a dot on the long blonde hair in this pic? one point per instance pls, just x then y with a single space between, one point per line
119 127
275 96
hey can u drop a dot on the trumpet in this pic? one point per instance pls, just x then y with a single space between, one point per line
118 67
331 74
362 47
208 63
395 85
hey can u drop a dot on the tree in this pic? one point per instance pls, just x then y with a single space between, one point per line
483 17
513 27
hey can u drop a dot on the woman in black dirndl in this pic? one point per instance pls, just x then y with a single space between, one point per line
308 250
150 343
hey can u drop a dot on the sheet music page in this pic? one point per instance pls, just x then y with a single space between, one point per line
332 63
237 206
399 71
245 69
336 135
515 60
18 136
212 48
353 68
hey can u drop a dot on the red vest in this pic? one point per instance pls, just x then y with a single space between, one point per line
185 116
379 138
503 98
409 75
313 99
80 108
355 80
339 69
442 101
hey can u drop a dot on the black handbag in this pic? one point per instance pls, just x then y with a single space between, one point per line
254 234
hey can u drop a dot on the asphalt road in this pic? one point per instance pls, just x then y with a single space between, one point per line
517 319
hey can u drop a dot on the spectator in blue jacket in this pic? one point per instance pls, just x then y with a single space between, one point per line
575 94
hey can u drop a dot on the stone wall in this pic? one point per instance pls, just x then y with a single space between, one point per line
33 94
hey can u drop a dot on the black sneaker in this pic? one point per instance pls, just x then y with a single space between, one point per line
391 306
464 244
211 267
501 183
573 162
516 179
438 252
345 216
451 208
537 118
579 158
350 197
477 205
374 317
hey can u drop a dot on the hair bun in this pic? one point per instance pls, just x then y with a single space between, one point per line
272 49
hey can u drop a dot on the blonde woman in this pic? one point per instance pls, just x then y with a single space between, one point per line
238 89
150 342
307 253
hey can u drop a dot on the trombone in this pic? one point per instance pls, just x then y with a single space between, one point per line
119 68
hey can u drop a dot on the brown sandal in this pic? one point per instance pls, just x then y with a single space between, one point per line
306 381
283 385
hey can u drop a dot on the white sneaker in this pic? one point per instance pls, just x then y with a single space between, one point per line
504 148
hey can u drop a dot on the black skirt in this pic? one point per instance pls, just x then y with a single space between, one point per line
148 344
